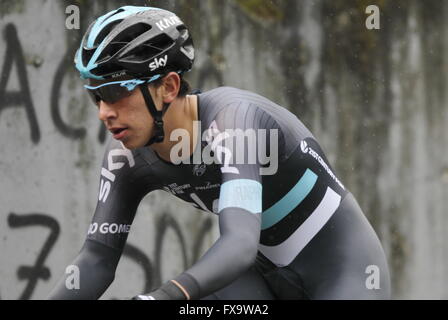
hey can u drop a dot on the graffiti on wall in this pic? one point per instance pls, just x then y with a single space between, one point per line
22 98
34 272
152 268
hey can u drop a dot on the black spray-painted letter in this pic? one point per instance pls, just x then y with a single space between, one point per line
38 271
22 97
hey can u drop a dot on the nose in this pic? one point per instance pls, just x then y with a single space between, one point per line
106 111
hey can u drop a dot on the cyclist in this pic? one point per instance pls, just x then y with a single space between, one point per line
289 228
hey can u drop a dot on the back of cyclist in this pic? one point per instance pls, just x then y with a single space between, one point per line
289 228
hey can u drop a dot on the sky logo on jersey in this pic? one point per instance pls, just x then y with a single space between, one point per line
107 177
308 150
158 62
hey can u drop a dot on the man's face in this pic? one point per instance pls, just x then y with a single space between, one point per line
128 119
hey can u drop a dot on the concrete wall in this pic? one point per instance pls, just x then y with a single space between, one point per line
374 98
52 148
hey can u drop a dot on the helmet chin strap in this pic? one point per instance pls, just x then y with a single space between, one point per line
159 134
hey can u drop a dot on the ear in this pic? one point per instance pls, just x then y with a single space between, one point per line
171 87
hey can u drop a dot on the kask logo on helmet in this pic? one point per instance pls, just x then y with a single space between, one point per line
119 74
168 22
158 63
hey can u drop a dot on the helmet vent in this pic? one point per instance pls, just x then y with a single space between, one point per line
161 42
132 32
122 39
183 32
149 49
105 32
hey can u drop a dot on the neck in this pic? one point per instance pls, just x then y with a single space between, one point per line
180 115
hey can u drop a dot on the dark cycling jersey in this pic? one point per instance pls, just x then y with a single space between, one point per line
288 227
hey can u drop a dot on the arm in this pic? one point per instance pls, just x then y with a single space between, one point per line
96 263
121 191
232 254
240 206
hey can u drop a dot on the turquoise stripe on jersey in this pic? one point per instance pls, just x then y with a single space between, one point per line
290 201
284 253
241 193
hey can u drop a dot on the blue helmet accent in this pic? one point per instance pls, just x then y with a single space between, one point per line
128 84
99 25
83 70
96 29
154 78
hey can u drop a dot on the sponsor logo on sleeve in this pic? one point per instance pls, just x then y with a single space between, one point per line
175 189
111 228
308 150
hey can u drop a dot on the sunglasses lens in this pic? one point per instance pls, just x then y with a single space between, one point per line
114 93
109 94
94 96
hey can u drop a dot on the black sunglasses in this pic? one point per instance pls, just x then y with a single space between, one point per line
112 92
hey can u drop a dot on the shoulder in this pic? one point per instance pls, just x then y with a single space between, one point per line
228 100
226 93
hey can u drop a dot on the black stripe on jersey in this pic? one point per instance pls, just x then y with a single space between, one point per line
283 229
275 187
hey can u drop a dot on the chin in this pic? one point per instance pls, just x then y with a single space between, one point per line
132 145
128 145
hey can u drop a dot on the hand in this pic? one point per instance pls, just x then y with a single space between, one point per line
143 297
